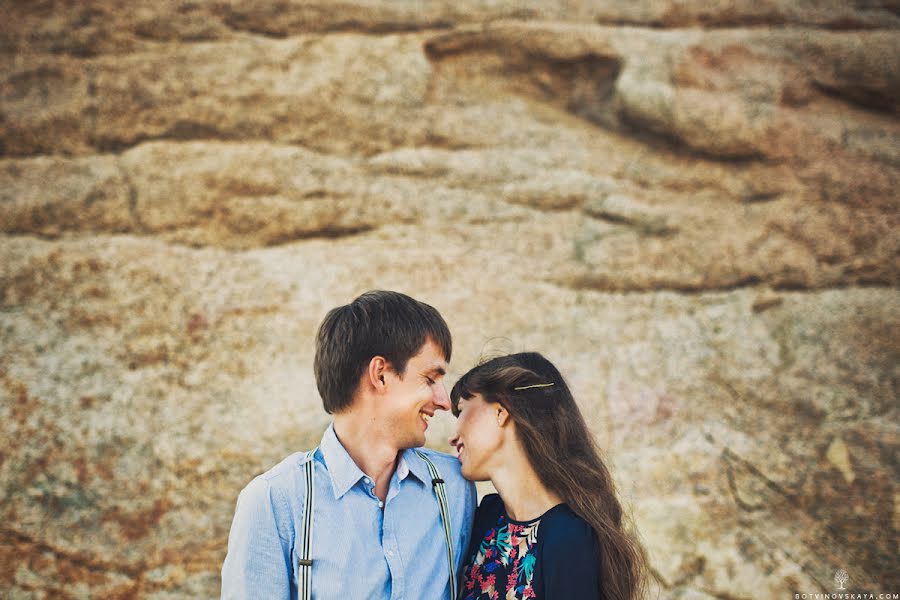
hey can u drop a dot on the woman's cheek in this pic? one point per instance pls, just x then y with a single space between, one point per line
475 429
465 425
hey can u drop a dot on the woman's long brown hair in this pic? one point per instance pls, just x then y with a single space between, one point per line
565 456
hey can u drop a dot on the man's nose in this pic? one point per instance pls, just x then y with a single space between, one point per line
454 440
441 399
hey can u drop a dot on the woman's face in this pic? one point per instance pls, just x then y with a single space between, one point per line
478 437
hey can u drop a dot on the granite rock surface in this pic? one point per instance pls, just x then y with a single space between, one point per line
690 207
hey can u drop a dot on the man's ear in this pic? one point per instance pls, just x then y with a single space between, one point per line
375 373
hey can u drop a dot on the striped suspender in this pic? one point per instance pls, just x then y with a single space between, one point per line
304 584
438 485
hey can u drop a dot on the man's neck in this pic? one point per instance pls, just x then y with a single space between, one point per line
524 495
374 455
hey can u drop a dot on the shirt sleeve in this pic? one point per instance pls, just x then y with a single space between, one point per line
258 563
570 561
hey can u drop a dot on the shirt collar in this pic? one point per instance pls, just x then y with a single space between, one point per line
414 465
345 473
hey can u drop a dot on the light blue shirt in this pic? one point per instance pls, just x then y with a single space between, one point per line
359 550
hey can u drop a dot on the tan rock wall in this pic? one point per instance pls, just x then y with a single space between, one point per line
690 206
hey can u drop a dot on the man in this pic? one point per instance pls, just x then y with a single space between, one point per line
376 528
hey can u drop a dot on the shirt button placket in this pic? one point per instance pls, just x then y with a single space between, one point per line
389 543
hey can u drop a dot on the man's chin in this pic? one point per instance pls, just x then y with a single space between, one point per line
415 442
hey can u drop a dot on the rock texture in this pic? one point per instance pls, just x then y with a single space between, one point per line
690 206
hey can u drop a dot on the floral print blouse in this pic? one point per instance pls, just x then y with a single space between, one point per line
552 557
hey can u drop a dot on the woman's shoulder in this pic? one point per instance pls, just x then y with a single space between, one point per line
486 515
491 504
491 499
569 561
562 529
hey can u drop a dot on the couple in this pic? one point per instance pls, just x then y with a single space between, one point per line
372 514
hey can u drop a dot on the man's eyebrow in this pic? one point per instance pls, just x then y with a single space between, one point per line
438 369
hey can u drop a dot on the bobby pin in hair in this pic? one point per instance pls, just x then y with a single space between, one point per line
537 385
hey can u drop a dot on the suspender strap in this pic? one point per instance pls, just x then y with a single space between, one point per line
438 485
304 583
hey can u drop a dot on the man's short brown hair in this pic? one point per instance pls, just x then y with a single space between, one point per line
377 323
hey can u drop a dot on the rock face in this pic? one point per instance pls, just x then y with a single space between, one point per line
691 207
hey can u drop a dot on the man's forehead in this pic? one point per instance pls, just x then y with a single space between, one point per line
435 363
431 358
437 367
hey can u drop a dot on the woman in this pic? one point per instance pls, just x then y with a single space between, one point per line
554 531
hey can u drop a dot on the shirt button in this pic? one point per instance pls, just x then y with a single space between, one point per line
390 552
380 504
367 480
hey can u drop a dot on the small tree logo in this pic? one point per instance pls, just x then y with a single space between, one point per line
840 578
